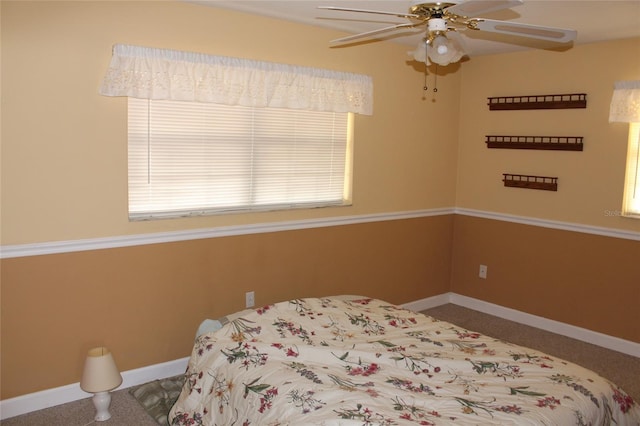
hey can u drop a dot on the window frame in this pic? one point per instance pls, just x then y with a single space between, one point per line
631 191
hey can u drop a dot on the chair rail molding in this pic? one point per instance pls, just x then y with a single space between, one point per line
36 249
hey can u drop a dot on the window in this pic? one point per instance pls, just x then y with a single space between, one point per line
211 134
631 203
191 158
625 108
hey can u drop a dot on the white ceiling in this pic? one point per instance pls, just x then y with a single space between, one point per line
594 20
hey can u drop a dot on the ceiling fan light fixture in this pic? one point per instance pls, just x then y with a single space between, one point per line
443 50
420 54
442 44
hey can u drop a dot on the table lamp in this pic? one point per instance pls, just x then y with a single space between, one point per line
99 377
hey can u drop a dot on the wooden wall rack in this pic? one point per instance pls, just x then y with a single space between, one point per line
562 101
561 143
546 183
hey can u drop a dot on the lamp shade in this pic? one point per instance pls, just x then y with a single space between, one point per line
100 372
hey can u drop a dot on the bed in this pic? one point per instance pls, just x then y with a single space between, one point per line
342 361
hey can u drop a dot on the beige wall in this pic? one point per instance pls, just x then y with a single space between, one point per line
589 182
64 178
146 302
64 164
582 279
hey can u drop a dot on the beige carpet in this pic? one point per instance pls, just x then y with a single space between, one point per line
617 367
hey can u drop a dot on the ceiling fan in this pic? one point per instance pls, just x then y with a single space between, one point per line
442 43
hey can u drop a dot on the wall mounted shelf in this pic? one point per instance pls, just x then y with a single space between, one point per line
546 183
563 101
558 143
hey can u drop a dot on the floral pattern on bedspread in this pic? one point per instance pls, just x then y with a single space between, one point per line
366 362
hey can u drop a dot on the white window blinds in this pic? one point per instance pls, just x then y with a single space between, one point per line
148 73
190 158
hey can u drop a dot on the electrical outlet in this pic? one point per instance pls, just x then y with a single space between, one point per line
250 299
482 273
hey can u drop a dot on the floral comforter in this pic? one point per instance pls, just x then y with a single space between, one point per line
366 362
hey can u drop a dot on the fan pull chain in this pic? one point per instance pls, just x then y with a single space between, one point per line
425 87
435 81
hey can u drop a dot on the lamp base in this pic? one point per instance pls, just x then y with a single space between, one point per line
101 401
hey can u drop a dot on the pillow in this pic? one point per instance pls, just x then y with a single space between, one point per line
208 326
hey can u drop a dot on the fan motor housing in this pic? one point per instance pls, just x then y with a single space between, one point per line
430 10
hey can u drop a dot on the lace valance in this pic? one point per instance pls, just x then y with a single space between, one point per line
149 73
625 104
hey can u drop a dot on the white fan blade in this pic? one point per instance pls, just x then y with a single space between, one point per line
558 35
374 32
472 8
347 9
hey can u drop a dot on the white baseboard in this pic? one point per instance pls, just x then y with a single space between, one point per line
428 303
578 333
63 394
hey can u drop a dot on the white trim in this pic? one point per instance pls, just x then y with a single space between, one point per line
566 226
63 394
36 249
427 303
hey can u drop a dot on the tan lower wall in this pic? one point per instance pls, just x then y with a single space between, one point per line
145 302
586 280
